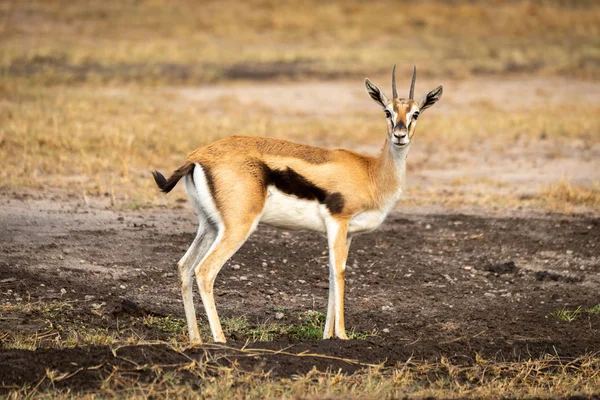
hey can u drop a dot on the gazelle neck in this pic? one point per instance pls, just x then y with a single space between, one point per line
390 171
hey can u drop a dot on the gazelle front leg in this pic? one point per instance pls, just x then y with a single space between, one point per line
339 243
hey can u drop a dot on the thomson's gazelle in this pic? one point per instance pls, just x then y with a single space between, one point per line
237 182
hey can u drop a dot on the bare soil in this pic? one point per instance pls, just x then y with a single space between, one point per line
432 285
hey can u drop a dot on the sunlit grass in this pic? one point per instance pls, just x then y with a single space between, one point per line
95 142
545 377
563 196
88 106
175 42
480 377
567 315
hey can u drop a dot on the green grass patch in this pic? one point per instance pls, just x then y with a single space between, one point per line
567 315
309 327
170 324
594 310
572 315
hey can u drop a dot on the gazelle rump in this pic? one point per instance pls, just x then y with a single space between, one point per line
238 182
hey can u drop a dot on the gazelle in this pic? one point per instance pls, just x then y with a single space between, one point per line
237 182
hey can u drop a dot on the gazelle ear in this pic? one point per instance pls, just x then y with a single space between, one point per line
376 93
430 98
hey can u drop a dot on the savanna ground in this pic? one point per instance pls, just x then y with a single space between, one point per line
483 282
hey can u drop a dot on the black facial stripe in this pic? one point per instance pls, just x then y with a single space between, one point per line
290 182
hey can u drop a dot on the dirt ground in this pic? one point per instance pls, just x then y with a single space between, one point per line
428 283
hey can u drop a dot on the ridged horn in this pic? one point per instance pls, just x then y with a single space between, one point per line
411 95
394 91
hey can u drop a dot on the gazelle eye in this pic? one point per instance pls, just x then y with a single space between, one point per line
388 114
415 116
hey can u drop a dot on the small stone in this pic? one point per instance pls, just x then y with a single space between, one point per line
301 281
488 294
123 286
63 291
89 297
264 264
42 285
67 251
385 308
468 268
569 251
386 330
243 278
279 315
81 261
427 226
236 266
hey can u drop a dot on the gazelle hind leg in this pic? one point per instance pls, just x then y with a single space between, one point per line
204 239
235 210
228 241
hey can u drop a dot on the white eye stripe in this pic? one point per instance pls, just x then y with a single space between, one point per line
392 114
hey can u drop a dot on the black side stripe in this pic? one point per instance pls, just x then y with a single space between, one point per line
290 182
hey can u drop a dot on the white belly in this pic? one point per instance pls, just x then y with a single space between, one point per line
290 212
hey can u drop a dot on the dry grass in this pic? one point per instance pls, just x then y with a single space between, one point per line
159 41
105 142
564 196
549 377
84 107
217 374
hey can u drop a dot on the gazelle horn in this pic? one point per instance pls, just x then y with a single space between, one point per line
411 95
394 92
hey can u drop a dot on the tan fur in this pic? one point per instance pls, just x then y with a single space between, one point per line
363 181
402 107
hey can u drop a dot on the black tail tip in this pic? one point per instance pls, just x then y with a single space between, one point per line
161 181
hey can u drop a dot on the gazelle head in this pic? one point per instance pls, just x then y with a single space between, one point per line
401 114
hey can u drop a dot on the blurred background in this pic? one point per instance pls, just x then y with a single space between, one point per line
94 94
